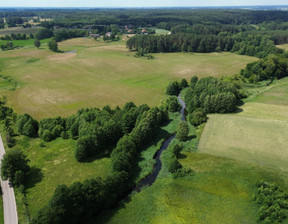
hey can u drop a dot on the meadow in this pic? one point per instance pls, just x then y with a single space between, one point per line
257 134
93 73
52 164
29 43
219 191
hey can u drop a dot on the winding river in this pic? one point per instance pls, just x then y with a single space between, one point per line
150 179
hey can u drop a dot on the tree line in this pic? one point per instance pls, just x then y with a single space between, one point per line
19 36
243 44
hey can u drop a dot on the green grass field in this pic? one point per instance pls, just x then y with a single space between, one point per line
252 139
25 43
98 74
258 134
161 31
52 165
219 192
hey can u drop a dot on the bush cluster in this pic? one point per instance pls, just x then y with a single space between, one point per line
174 166
175 87
171 104
213 96
27 125
273 202
271 67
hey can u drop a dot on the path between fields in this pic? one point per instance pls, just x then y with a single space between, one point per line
9 203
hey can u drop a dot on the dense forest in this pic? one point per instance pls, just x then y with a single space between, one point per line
166 18
243 44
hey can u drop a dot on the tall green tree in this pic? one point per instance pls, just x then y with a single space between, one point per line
37 43
14 167
53 45
173 88
183 131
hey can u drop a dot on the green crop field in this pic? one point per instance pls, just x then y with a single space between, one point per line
52 165
94 73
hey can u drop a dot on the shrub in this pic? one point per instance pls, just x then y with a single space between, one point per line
176 150
183 84
198 117
173 88
53 45
182 131
173 165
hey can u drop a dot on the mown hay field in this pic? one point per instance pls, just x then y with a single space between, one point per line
257 134
93 73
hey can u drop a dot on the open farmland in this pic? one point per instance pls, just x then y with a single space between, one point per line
258 134
96 74
263 141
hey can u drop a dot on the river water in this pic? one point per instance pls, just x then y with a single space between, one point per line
150 179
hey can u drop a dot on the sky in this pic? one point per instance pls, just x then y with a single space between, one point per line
135 3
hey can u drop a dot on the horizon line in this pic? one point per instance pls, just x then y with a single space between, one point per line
105 7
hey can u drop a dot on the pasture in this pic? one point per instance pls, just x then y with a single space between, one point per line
93 73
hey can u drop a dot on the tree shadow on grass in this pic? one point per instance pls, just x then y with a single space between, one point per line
34 176
190 138
182 156
238 110
100 155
